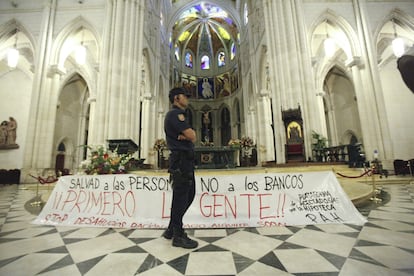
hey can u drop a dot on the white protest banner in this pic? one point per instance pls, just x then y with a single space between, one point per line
222 201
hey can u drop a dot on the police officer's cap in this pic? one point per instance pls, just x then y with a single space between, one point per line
177 91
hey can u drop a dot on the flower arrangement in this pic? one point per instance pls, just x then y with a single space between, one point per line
160 145
246 142
104 161
234 143
319 141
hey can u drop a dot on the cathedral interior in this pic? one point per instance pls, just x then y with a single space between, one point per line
279 75
301 85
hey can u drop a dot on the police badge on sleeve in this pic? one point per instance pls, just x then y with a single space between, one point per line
181 117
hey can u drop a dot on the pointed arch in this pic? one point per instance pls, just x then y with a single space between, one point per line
74 31
73 98
14 32
340 23
8 29
63 152
397 21
405 20
224 119
70 76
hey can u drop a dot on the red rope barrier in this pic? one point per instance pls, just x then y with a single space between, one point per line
363 174
48 180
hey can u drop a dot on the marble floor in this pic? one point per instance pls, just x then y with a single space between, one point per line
383 246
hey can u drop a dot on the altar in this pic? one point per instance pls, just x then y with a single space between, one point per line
215 157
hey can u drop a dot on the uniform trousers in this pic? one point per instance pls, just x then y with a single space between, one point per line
183 196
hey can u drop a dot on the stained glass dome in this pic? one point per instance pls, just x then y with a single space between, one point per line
205 36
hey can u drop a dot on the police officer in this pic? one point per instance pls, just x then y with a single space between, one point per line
180 141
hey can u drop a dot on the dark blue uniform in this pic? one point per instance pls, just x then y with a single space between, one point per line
181 168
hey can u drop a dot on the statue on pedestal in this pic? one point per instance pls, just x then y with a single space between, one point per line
8 130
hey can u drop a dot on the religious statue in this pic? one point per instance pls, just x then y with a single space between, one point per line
206 129
8 130
3 133
294 133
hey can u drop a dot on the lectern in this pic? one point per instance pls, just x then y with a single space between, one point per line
122 146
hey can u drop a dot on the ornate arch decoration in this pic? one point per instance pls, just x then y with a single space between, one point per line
8 29
25 43
349 137
77 25
180 6
323 68
405 20
342 24
402 26
73 73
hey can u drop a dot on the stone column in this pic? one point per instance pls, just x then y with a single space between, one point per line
148 128
291 82
265 150
366 108
370 96
38 149
118 85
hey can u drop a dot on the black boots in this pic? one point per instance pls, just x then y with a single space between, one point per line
168 234
184 241
179 239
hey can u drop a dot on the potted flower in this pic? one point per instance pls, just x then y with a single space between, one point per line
104 161
234 143
246 142
318 145
247 146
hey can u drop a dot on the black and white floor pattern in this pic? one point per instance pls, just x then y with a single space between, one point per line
383 246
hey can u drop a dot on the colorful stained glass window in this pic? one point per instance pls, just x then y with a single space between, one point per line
189 60
177 53
221 60
205 62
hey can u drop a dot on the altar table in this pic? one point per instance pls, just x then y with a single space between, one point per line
215 157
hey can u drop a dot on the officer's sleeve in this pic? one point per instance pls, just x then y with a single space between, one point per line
180 124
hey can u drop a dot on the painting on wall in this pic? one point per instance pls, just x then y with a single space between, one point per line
205 88
223 85
190 84
234 79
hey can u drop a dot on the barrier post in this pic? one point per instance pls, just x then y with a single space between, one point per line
374 188
411 181
38 200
